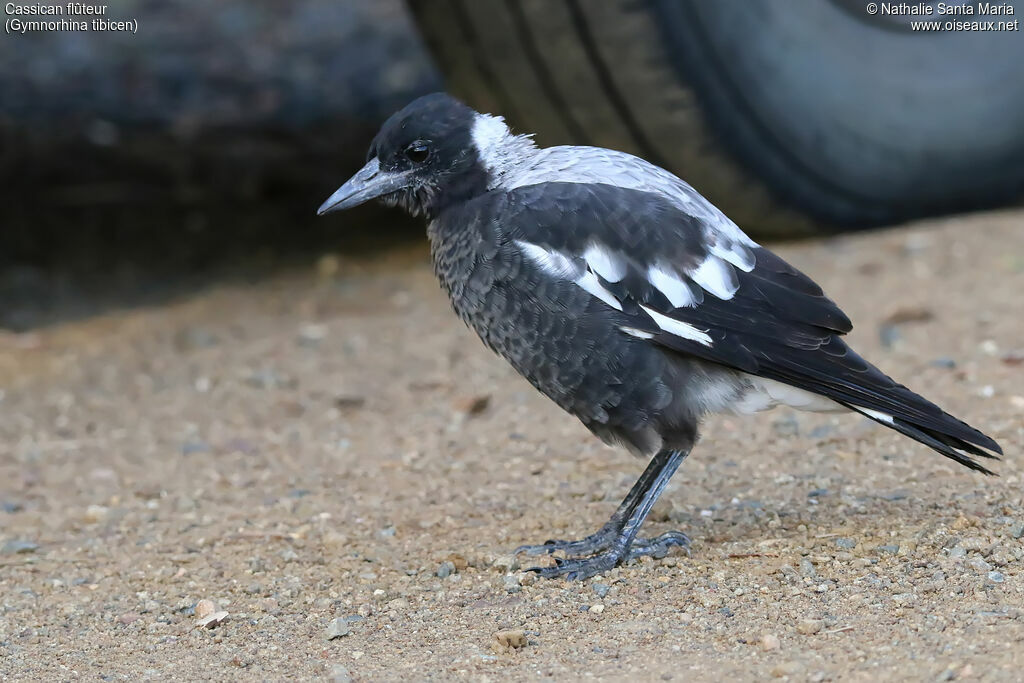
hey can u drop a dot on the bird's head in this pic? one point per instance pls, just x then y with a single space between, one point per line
433 152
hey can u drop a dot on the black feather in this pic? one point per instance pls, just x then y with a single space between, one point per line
778 324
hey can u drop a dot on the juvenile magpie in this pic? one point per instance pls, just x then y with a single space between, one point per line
627 298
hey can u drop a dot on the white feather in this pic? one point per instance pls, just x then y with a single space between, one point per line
716 277
557 264
764 394
679 328
553 263
737 254
639 334
877 414
589 282
605 263
675 290
499 150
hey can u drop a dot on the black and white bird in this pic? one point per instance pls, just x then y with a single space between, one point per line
627 298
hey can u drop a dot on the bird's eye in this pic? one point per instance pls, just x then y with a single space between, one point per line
417 152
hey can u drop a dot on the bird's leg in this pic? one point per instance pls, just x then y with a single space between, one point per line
604 536
616 542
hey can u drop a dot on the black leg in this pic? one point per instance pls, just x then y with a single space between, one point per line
603 538
617 540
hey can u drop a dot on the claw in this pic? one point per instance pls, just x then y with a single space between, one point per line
603 558
578 569
546 548
595 543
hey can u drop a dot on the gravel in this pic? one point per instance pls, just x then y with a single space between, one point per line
278 518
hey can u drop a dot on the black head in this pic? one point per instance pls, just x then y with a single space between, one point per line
422 159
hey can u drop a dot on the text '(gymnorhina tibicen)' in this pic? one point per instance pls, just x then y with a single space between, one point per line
627 298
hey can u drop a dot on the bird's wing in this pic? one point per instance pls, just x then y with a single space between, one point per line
685 286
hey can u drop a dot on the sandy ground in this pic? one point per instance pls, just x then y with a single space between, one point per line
333 450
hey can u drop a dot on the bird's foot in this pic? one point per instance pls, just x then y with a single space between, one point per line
591 545
605 557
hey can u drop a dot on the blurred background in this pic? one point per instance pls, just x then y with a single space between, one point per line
137 166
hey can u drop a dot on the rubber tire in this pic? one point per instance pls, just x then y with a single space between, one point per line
794 118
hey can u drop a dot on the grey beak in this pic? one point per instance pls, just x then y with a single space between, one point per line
369 183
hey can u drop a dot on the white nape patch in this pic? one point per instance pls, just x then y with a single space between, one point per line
678 328
589 282
488 133
675 290
553 263
639 334
557 264
605 263
499 150
716 276
737 254
877 414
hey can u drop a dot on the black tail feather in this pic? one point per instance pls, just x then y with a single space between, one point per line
953 447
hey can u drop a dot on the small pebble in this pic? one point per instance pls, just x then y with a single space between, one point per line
204 608
19 547
95 513
213 621
1018 531
597 609
339 674
995 577
809 627
820 432
770 642
445 569
889 335
786 426
514 639
337 628
807 568
791 668
471 406
892 549
846 543
944 362
459 561
506 563
601 589
512 584
979 564
311 334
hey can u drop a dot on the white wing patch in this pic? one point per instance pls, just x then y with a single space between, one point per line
639 334
717 277
678 327
737 254
589 282
675 290
558 265
553 263
877 414
605 263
